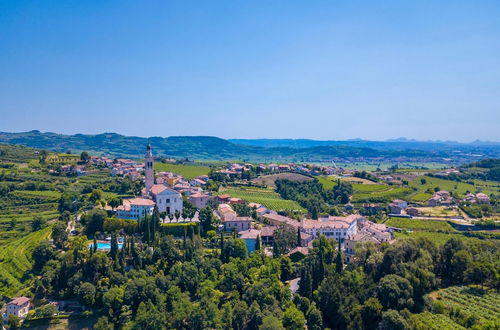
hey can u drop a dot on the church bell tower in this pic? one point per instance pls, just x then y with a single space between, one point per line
148 168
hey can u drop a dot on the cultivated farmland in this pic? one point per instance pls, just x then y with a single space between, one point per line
471 303
428 320
268 180
266 197
414 224
187 171
15 260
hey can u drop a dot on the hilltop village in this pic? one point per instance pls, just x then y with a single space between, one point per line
144 243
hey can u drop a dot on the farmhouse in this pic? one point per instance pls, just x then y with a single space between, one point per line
18 307
482 198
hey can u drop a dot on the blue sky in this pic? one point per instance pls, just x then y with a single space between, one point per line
252 69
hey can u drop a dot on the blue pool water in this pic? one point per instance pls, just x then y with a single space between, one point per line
105 246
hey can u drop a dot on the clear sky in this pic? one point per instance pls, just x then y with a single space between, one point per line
252 69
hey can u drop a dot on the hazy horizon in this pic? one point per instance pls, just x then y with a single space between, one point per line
281 69
401 138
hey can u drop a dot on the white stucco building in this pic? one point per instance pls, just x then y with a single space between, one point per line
135 208
18 307
332 227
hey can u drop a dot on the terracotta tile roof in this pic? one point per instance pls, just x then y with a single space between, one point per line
141 201
19 301
158 188
249 234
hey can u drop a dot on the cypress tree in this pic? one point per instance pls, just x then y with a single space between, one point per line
299 241
221 244
258 243
338 261
113 252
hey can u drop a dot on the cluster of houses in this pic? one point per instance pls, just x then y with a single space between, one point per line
309 169
349 229
479 198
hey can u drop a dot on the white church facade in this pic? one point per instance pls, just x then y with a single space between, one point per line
166 199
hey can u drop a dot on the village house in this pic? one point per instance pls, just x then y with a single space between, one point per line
19 307
267 234
224 198
226 212
199 200
135 208
441 197
237 223
412 211
482 198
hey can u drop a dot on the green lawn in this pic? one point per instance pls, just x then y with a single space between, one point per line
187 171
266 197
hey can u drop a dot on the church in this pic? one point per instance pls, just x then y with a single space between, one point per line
166 199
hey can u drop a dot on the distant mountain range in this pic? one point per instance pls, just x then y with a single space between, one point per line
276 150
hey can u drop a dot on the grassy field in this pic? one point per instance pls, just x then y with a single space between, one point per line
187 171
268 180
470 301
266 197
15 260
414 224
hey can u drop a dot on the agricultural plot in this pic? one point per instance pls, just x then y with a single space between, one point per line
438 211
471 302
187 171
266 197
420 197
437 237
386 195
15 260
268 180
46 194
428 320
425 225
457 188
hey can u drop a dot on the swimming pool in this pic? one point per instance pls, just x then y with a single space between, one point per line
104 246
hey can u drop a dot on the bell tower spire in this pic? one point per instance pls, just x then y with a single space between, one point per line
148 168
